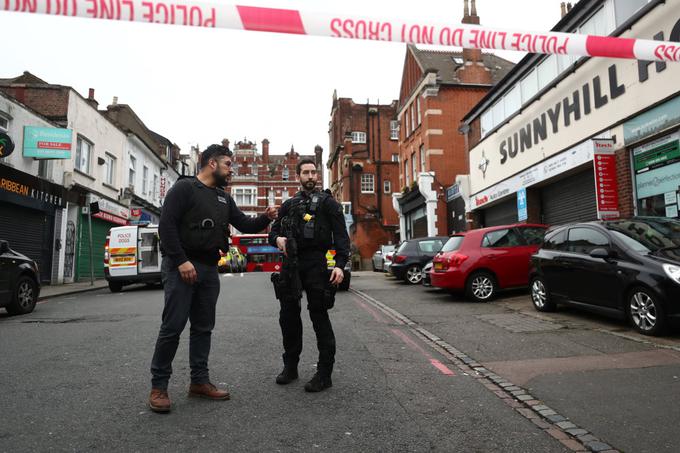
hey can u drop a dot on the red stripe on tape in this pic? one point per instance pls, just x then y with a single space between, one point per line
271 19
601 46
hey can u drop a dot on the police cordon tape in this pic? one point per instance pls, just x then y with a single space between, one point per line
256 18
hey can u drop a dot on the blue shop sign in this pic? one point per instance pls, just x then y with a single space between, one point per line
522 213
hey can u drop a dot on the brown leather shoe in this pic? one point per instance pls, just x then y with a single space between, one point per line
208 391
159 401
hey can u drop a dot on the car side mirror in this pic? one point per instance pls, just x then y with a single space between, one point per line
601 253
378 252
4 247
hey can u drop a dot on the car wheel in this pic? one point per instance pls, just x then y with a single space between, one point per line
646 312
414 274
481 287
540 296
25 296
115 287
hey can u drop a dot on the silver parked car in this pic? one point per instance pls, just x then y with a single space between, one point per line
379 257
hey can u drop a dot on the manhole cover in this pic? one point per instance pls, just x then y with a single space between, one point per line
520 323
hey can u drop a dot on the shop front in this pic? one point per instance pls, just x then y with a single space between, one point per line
413 209
31 210
98 218
653 140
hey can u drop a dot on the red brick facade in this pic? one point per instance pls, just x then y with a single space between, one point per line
261 179
369 155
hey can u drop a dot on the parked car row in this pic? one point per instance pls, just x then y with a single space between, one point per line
19 281
625 268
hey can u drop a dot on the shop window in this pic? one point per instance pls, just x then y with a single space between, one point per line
367 183
585 240
83 155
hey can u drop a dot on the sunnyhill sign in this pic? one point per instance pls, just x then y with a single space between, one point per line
589 101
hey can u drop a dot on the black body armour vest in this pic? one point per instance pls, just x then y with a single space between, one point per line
311 225
205 227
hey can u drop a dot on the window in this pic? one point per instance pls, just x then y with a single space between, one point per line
533 235
547 71
83 155
358 137
498 112
626 8
487 122
255 169
529 86
394 130
413 123
271 197
145 180
422 157
244 196
406 174
556 241
585 240
154 189
367 183
132 172
513 100
284 195
418 110
395 157
387 186
408 125
4 124
414 166
502 238
109 169
430 246
285 173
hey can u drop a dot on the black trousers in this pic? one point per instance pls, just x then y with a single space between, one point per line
314 275
185 302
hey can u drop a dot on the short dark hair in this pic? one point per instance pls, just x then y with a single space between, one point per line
298 167
213 152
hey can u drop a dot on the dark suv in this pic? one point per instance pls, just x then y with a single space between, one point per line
412 256
19 281
626 268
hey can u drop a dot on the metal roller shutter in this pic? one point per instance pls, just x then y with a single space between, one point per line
100 229
25 229
571 199
502 214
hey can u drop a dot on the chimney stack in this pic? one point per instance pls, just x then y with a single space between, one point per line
265 151
115 100
318 153
569 7
91 100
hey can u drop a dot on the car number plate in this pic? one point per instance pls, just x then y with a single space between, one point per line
438 266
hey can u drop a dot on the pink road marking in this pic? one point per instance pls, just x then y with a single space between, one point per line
406 339
271 19
441 367
602 46
373 313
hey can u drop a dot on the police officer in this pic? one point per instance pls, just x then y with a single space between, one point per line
194 227
319 225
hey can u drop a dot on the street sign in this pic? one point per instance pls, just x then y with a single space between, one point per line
606 185
522 213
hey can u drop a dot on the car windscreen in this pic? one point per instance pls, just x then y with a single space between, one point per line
647 235
453 244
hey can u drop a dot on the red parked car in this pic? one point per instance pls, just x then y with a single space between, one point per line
484 261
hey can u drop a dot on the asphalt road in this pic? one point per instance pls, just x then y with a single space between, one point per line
75 377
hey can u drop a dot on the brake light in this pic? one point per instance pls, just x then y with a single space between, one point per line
399 259
106 252
457 259
388 258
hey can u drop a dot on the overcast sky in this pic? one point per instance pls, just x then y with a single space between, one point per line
197 86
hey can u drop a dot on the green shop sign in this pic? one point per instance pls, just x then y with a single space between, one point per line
657 154
47 142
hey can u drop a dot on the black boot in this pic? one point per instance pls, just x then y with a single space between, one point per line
288 375
318 383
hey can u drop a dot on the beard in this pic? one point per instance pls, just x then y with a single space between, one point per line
220 179
309 185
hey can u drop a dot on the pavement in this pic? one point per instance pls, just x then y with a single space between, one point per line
49 291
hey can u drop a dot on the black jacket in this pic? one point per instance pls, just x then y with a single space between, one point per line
179 201
332 210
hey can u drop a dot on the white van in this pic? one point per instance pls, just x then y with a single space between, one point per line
132 254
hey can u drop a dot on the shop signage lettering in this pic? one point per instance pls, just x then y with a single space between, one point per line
577 105
110 218
23 184
606 186
657 154
47 142
12 186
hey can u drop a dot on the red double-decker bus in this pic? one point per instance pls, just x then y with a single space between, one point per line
261 257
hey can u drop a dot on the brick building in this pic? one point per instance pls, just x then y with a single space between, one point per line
262 179
437 90
364 171
539 135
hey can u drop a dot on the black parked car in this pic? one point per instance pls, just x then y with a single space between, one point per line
412 255
19 281
627 268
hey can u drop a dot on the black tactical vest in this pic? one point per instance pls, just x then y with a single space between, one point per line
309 222
205 226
